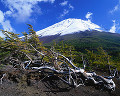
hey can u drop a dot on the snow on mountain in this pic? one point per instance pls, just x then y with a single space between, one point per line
69 26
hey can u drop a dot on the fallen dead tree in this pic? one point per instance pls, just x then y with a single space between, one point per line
60 66
77 76
67 72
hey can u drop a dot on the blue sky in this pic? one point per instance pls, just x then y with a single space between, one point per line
15 14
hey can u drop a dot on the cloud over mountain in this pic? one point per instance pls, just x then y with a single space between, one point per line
89 15
113 28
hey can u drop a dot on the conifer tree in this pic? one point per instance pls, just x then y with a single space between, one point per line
70 52
20 47
99 58
33 37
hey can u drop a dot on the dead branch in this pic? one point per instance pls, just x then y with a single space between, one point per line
1 79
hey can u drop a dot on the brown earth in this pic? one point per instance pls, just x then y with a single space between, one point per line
29 83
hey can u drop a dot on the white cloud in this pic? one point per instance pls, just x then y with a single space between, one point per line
64 13
116 8
1 16
5 24
71 7
88 15
22 9
113 28
1 34
64 3
8 13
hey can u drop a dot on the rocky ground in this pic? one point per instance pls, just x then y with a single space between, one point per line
30 83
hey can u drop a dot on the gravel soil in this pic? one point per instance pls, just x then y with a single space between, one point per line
28 83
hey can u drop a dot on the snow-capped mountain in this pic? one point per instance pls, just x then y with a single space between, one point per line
69 26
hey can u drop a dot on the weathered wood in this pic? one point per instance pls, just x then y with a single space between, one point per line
37 50
1 79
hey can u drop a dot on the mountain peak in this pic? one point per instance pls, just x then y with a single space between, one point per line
69 26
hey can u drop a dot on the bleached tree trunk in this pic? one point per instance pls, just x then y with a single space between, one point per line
69 61
37 50
1 79
56 65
